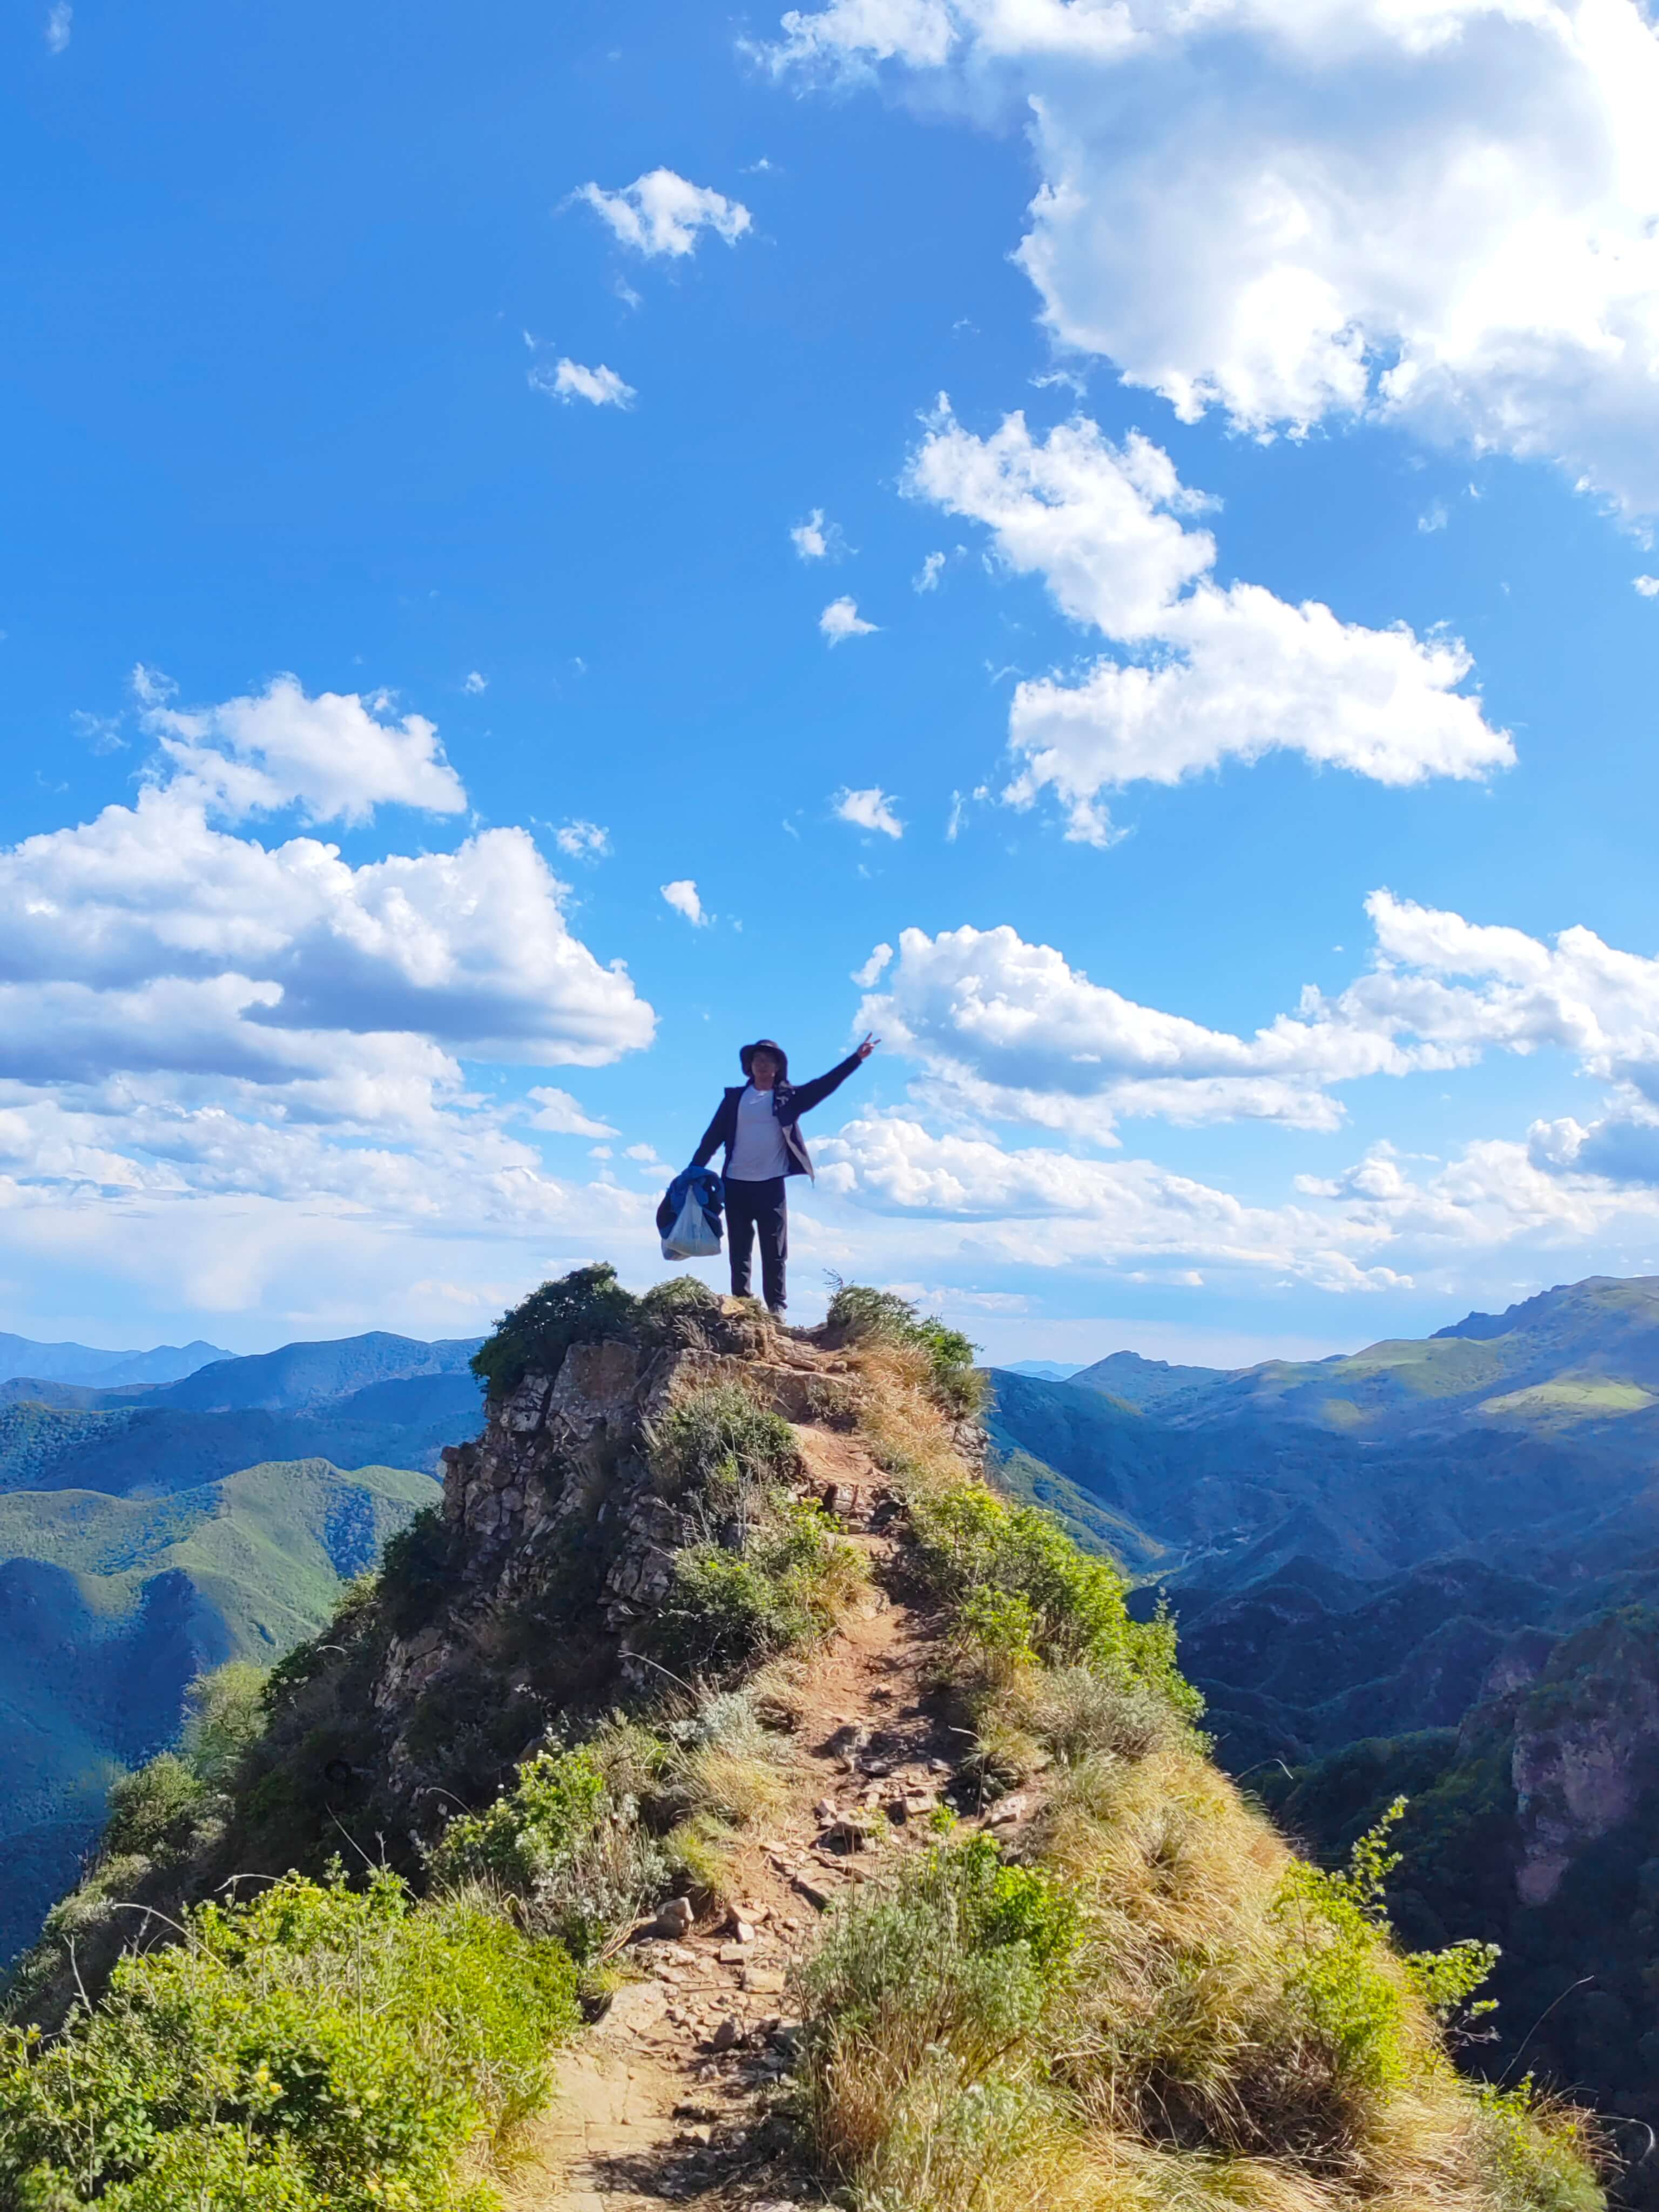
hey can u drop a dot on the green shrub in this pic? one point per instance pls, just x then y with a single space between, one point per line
967 1542
677 1299
928 1993
583 1307
1542 2152
866 1316
720 1441
997 1627
315 2048
1342 1977
152 1812
561 1842
417 1571
729 1608
224 1713
520 1838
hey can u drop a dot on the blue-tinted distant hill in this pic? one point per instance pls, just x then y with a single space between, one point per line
145 1449
107 1370
307 1375
1140 1382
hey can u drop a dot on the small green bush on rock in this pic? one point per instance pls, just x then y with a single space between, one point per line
729 1608
583 1307
870 1317
721 1441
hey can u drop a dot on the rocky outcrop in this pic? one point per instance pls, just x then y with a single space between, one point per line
1586 1746
558 1493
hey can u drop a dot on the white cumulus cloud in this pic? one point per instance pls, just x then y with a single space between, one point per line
660 213
869 809
567 379
1237 673
336 756
224 1062
683 897
841 620
1648 586
1443 212
1011 1031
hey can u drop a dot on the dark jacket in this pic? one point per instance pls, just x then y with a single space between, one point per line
789 1102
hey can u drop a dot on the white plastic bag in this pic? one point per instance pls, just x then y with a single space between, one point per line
691 1237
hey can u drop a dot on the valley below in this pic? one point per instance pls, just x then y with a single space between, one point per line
1427 1570
153 1529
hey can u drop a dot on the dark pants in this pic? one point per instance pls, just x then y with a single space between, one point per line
750 1206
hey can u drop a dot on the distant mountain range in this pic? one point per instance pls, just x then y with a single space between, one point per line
1351 1542
188 1511
107 1371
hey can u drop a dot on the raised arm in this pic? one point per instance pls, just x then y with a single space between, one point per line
809 1095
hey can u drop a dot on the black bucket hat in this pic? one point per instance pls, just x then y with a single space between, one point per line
746 1056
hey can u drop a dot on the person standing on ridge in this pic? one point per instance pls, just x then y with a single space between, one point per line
758 1121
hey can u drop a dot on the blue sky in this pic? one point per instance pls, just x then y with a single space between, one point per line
451 469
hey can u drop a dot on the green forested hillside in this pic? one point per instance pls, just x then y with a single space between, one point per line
109 1605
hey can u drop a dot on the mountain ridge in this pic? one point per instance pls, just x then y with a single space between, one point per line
82 1364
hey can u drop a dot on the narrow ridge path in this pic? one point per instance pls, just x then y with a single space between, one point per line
665 2098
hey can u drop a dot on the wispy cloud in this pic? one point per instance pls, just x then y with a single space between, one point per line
926 577
841 620
561 1116
60 26
869 810
815 539
582 841
570 381
661 213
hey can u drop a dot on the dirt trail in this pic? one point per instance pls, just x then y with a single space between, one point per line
663 2100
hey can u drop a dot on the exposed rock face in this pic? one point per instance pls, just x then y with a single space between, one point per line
562 1474
1586 1747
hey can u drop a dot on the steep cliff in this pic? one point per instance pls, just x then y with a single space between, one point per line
1532 1825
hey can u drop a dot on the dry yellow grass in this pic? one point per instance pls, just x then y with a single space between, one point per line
1221 2036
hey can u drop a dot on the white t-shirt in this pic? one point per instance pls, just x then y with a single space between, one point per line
757 1149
